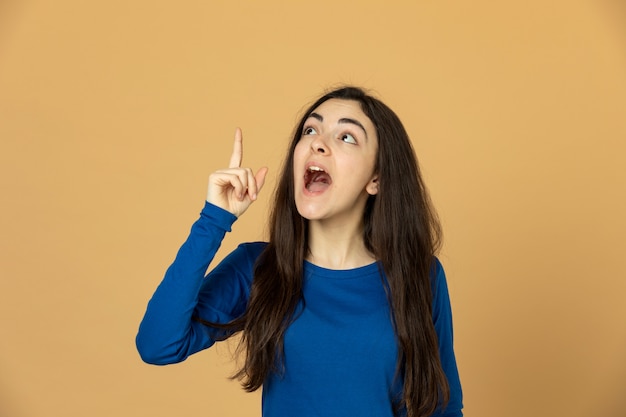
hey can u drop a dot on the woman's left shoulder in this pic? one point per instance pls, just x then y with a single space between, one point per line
436 270
438 280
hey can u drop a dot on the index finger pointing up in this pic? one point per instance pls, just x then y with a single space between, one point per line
235 158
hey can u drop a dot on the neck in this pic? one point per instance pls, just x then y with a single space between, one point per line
337 246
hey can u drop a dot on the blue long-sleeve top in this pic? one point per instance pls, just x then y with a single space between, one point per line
340 353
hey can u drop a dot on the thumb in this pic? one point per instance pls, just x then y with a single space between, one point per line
260 178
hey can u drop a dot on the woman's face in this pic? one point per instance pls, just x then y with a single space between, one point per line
334 162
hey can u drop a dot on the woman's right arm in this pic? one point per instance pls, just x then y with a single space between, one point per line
168 333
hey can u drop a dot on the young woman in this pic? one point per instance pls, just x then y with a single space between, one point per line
345 311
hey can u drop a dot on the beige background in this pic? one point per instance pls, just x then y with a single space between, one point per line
112 115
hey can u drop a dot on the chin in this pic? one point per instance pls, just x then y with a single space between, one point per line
308 213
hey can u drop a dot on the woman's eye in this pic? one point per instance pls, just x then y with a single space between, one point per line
308 131
348 138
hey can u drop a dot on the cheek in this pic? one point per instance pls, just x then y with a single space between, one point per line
301 146
297 164
298 153
372 164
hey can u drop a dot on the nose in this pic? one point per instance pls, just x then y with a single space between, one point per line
319 146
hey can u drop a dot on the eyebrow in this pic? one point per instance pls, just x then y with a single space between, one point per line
342 120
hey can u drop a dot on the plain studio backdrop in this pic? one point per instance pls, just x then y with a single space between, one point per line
113 114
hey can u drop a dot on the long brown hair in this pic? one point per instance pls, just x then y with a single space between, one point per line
401 230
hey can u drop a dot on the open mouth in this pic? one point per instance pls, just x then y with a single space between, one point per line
316 179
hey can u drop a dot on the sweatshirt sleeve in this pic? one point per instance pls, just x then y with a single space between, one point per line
167 334
442 319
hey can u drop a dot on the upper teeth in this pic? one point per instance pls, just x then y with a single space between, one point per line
314 168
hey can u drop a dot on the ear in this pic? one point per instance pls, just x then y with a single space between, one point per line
372 186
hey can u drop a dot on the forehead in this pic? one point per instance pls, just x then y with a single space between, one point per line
338 111
338 108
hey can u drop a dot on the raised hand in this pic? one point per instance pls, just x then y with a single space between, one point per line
235 188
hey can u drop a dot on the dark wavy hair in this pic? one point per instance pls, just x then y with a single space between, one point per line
401 230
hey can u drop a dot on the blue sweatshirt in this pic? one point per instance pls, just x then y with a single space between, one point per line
340 352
